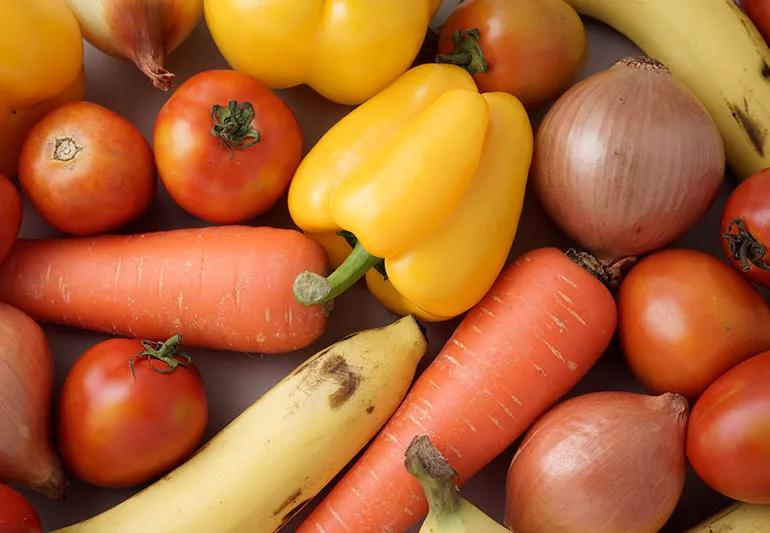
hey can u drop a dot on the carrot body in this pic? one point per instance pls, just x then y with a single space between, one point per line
540 328
227 287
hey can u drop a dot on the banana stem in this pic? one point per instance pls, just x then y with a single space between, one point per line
435 474
313 289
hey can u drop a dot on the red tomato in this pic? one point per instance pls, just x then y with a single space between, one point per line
685 318
728 436
117 429
759 13
10 215
746 228
87 169
16 513
226 146
531 48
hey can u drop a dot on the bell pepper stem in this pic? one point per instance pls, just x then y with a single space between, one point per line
467 52
313 289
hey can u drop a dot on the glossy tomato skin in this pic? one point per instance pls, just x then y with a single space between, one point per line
205 176
728 437
746 227
10 215
534 48
16 514
759 13
685 318
116 430
86 169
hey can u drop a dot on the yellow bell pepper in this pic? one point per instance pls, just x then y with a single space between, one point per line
347 50
41 51
428 177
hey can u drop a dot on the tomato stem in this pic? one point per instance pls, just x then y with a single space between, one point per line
232 125
312 289
167 352
467 52
744 247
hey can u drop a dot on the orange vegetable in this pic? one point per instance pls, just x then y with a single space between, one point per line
226 287
10 215
540 328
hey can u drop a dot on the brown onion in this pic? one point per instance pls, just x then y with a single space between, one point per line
27 457
602 462
627 160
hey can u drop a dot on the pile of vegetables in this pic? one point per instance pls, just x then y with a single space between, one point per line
419 192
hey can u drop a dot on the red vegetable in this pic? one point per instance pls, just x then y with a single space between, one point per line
759 13
746 227
536 333
223 287
728 438
87 169
10 215
130 411
16 513
226 146
27 456
529 48
685 318
600 463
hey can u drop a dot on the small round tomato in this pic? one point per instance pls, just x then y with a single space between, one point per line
685 318
226 146
746 228
728 436
86 169
529 48
130 411
10 215
16 514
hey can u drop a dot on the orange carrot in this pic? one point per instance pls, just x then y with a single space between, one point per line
536 333
227 287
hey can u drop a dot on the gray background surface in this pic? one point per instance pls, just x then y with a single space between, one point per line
235 381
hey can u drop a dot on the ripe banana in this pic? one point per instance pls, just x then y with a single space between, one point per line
449 513
279 453
713 47
738 518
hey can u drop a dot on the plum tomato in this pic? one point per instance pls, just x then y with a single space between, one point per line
16 514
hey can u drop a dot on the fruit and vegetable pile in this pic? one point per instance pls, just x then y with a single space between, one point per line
416 195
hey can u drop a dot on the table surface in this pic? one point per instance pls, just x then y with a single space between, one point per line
234 381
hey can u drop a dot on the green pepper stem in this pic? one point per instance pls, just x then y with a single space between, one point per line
435 474
467 52
312 289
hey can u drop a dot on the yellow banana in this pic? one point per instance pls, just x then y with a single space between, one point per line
738 518
449 513
279 453
713 47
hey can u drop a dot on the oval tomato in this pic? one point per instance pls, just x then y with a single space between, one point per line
685 318
531 49
226 146
119 427
728 436
16 514
10 215
746 228
86 169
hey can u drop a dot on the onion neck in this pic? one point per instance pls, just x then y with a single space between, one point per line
744 247
435 475
467 52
